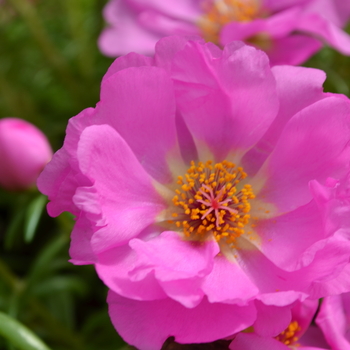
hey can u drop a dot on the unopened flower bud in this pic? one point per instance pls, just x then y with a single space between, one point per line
24 151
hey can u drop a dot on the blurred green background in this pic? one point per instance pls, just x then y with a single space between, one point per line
50 69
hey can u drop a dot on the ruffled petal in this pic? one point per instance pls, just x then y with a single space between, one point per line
327 260
275 26
80 250
157 22
333 320
167 48
304 313
122 190
61 176
338 284
228 283
132 59
275 35
300 154
125 34
286 237
271 320
113 268
325 30
181 9
278 5
293 49
297 88
177 264
139 103
147 324
227 102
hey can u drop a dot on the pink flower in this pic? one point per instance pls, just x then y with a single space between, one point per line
290 31
24 151
197 183
334 315
334 320
299 334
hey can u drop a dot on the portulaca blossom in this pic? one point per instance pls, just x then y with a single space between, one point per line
24 151
199 185
290 31
299 335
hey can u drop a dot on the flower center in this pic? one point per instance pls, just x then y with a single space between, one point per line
288 336
222 12
212 201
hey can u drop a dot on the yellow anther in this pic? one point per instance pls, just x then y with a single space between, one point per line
288 336
212 201
186 187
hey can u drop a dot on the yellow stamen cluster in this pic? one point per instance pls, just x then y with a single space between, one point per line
288 337
211 201
222 12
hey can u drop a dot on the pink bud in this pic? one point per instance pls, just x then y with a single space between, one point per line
24 151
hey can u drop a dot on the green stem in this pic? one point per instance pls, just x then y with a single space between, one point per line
19 335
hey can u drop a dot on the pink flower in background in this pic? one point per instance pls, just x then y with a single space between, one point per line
290 31
199 185
24 151
299 334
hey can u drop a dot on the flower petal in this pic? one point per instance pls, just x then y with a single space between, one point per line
275 26
80 249
300 154
333 319
132 59
286 237
182 9
271 320
228 283
326 30
329 261
61 176
122 190
251 341
113 268
178 264
313 339
139 103
222 99
174 258
293 49
147 324
125 34
160 23
297 87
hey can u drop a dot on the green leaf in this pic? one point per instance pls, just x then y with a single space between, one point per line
33 214
57 284
19 335
14 228
45 261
